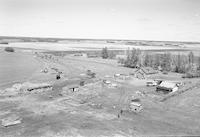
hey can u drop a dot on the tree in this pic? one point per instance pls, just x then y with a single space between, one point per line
157 61
9 49
198 63
147 60
133 59
111 54
178 66
166 62
127 62
191 58
181 64
104 53
121 61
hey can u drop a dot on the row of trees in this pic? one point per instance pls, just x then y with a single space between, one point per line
166 62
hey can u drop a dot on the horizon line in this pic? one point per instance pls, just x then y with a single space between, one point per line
62 38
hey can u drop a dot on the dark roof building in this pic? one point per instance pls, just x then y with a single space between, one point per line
167 87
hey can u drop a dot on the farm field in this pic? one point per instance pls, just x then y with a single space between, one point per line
82 46
95 108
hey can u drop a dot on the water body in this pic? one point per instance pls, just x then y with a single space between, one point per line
16 67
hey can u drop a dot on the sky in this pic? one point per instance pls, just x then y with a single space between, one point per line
170 20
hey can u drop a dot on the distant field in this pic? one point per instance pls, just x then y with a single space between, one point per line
16 67
67 44
83 46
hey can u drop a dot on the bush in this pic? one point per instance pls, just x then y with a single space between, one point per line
191 75
121 61
9 49
3 42
104 53
165 72
111 55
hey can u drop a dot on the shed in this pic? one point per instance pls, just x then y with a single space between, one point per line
73 87
135 107
167 87
122 76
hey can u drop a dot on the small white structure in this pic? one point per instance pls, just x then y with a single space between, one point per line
45 70
117 75
135 107
114 85
107 82
73 87
151 83
122 76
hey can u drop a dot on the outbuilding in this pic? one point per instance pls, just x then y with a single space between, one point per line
135 107
167 87
73 87
122 76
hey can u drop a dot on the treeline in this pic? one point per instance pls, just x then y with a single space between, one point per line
164 62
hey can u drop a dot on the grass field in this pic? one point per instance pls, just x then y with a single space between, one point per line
16 67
